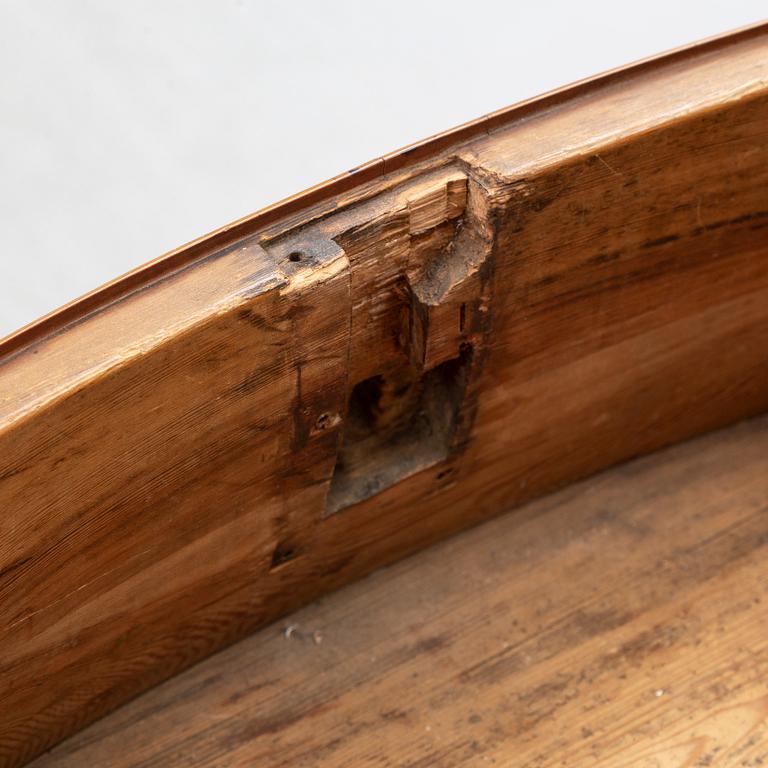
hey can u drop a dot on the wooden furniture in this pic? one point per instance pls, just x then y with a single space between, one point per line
280 408
620 622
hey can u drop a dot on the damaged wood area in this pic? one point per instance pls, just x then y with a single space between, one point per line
323 390
530 650
418 273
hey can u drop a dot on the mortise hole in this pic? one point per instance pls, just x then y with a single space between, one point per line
283 553
462 317
396 426
295 256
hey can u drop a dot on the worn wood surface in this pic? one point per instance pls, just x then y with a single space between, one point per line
584 283
328 192
621 622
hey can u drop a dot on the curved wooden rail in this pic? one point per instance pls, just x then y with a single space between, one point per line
307 394
326 191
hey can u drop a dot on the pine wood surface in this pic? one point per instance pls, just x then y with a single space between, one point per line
304 401
622 622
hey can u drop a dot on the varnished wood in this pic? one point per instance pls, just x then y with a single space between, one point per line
576 284
621 622
328 192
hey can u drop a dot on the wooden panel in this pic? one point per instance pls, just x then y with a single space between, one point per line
398 163
142 508
618 623
584 284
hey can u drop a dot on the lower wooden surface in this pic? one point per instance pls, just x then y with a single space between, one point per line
621 622
329 390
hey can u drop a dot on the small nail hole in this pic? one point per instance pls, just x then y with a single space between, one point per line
327 421
295 256
283 553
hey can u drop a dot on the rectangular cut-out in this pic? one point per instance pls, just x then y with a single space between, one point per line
396 426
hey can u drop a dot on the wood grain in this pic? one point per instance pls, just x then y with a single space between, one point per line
621 622
328 193
367 374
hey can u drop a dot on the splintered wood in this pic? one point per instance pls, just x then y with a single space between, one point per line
441 201
342 381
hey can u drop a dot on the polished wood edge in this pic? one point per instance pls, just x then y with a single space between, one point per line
375 169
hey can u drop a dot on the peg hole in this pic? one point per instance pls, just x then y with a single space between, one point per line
282 554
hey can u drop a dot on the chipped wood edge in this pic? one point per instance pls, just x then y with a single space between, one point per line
398 161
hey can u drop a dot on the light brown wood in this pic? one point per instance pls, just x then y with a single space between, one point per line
315 394
622 622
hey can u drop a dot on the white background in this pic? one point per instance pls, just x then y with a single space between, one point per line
128 127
